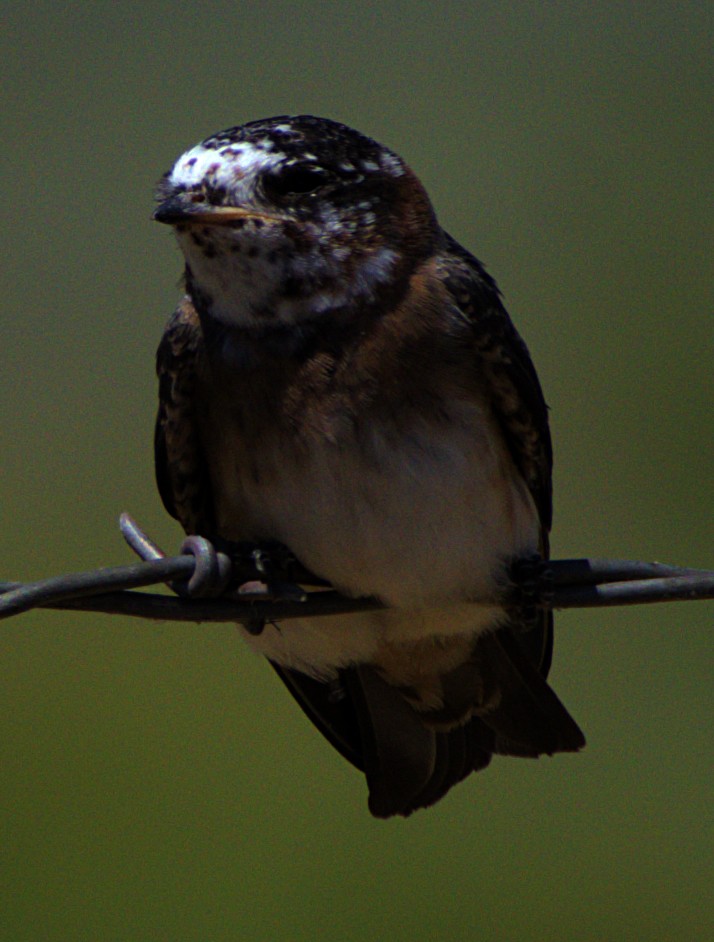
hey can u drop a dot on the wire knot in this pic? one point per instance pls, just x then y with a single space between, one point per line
212 570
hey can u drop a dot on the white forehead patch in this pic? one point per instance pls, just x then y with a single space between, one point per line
224 166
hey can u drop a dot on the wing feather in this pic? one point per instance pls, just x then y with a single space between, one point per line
181 471
503 360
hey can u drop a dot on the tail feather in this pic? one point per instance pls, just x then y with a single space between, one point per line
407 764
498 702
529 718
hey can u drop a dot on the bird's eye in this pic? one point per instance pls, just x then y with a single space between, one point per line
296 180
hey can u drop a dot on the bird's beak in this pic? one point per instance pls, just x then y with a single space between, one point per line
181 209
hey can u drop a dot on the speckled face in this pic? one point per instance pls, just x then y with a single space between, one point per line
292 218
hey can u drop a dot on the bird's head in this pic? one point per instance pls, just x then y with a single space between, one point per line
293 219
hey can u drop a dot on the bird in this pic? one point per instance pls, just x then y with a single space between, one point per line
341 378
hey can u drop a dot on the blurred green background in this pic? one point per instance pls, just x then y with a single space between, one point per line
156 782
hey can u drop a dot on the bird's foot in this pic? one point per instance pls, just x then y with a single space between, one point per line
532 587
268 571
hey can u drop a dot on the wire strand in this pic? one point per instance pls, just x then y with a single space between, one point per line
263 587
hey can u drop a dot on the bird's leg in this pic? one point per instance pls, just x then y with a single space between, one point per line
268 569
531 587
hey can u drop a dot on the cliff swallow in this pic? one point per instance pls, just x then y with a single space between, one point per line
342 377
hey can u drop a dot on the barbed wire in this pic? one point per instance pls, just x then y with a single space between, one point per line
254 585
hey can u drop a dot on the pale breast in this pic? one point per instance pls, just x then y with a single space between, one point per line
421 514
424 518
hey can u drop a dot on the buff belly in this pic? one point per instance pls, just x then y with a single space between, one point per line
425 519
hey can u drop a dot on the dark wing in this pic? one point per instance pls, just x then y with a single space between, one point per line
504 366
530 720
181 472
502 358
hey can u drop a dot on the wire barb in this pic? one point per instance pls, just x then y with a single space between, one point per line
212 572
